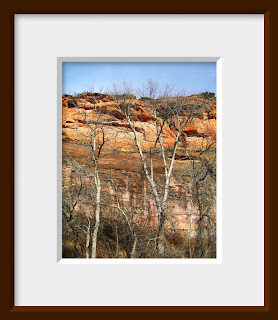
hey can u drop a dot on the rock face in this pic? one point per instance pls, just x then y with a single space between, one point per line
120 159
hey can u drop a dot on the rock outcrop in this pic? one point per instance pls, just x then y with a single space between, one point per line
121 159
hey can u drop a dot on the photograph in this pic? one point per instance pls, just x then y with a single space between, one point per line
149 158
139 169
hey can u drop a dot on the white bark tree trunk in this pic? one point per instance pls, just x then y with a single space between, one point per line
97 214
88 236
133 252
190 219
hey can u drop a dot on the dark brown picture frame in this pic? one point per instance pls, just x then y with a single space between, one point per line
7 300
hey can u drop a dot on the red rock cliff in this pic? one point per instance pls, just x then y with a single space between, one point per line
121 159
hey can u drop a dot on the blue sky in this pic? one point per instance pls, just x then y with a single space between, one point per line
193 77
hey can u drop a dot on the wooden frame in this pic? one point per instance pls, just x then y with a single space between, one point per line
8 214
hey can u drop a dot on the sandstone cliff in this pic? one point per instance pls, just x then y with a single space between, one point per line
121 161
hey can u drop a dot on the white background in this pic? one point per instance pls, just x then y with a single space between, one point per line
39 40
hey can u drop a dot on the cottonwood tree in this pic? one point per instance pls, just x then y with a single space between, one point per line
95 139
128 215
202 195
171 112
124 229
76 225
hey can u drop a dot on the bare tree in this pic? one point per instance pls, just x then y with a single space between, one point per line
202 191
128 215
166 111
95 140
149 89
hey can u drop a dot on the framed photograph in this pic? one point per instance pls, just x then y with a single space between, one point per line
139 162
